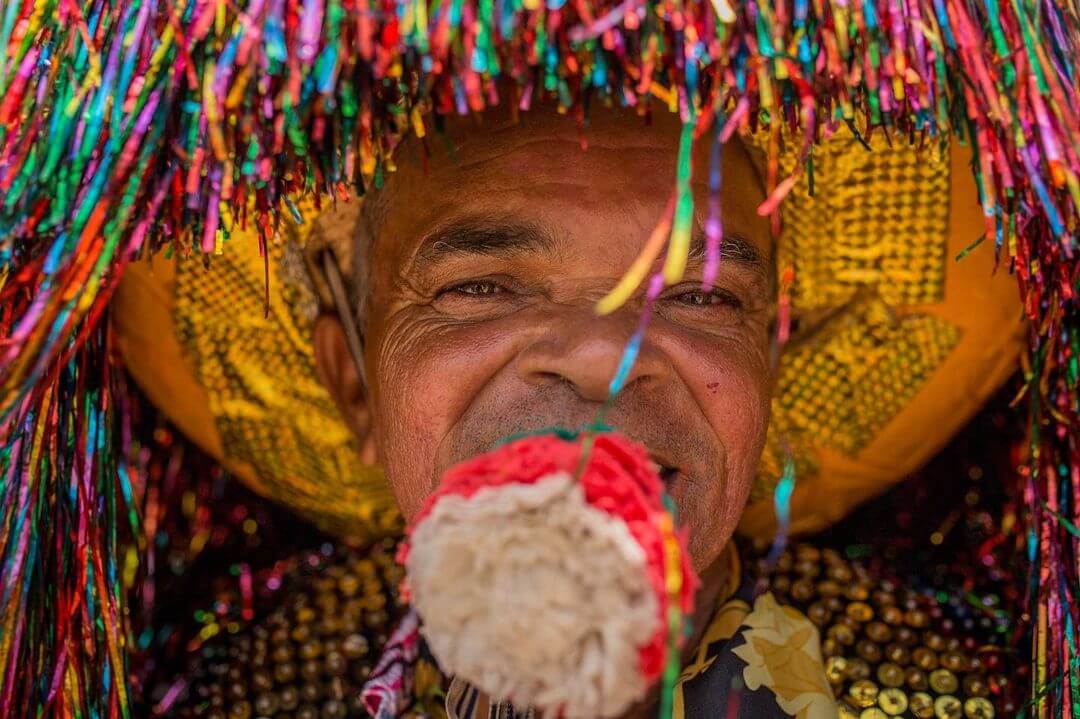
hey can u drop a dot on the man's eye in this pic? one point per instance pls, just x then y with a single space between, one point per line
701 298
477 288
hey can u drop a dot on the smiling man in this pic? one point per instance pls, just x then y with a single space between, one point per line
468 312
476 276
477 285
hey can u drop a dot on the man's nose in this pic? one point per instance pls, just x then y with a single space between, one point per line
583 351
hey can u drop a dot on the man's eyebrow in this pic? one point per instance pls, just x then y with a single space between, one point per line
733 248
484 236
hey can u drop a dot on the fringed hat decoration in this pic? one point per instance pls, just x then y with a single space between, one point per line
134 129
549 572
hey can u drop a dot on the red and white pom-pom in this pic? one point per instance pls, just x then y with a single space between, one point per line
544 572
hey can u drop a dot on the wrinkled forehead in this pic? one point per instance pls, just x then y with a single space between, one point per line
614 143
616 172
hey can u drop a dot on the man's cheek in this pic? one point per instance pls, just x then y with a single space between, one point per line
426 380
710 513
735 399
410 420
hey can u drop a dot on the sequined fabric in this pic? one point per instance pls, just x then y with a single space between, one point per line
869 242
819 636
888 651
308 656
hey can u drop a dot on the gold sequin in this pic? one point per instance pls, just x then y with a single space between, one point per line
846 712
860 611
897 653
892 615
948 707
925 658
955 661
828 588
868 650
864 693
916 679
943 681
858 669
818 613
835 668
906 637
978 708
841 633
975 685
802 590
893 701
891 675
884 598
879 632
916 618
857 592
839 572
921 705
873 713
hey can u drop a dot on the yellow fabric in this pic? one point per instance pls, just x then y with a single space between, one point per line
238 376
783 654
897 342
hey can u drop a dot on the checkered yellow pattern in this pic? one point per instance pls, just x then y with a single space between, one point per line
841 387
259 373
877 219
867 247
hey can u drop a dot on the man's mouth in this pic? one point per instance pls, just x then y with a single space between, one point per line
667 471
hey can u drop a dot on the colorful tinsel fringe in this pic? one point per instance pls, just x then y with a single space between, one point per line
127 125
68 514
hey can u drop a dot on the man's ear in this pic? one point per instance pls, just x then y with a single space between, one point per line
344 380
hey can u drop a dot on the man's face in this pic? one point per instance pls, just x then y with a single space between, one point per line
484 272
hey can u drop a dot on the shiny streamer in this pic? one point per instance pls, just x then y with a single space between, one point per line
65 512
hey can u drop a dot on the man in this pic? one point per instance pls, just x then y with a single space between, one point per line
476 273
477 287
473 275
